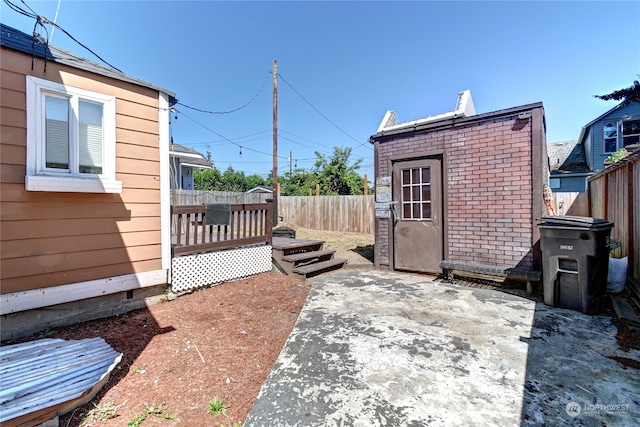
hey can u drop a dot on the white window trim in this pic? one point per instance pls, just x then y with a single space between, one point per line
38 178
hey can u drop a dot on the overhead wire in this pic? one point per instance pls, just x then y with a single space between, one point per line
43 20
319 112
235 109
225 138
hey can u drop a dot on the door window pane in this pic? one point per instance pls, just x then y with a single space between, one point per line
416 210
56 133
406 193
415 176
416 193
406 211
426 210
426 175
426 192
406 177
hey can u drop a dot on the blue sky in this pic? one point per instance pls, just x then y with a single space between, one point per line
352 61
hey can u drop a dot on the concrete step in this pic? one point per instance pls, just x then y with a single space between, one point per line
316 268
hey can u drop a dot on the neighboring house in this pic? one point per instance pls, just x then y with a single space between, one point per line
261 189
569 168
85 188
183 161
615 129
464 187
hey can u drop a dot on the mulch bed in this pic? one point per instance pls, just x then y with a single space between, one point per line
216 342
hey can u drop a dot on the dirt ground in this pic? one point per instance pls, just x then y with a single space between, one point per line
356 248
219 342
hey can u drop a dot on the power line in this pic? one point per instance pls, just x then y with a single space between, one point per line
301 144
227 139
318 111
224 141
302 137
235 109
43 20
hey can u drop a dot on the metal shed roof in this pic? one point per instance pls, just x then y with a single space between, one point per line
52 373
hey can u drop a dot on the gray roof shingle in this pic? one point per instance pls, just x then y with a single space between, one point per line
566 157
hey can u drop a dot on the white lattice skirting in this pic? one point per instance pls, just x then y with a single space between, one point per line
196 271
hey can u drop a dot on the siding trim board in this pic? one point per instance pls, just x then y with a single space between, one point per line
165 196
54 295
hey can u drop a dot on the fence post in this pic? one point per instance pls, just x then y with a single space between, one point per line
269 220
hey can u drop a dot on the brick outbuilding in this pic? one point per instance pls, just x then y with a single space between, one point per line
462 187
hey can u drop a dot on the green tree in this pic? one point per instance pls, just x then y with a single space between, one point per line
298 183
230 180
207 179
335 174
626 95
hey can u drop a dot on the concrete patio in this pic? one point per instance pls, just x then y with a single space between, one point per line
373 348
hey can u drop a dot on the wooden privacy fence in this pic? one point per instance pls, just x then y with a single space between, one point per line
614 194
250 224
198 197
576 204
334 213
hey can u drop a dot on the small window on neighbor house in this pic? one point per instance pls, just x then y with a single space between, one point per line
610 137
416 193
630 132
70 139
554 183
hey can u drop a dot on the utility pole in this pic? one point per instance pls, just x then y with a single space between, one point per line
275 142
290 164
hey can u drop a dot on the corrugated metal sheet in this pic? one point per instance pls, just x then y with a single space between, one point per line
49 372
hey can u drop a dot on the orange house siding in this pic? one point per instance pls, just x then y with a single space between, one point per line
48 238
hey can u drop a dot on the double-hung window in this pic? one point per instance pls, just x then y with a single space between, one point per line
70 139
619 134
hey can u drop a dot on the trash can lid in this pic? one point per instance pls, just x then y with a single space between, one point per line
575 221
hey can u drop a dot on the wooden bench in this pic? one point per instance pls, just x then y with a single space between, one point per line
491 272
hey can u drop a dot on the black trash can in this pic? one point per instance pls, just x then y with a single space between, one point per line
575 261
287 232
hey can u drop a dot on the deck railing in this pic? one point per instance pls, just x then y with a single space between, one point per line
250 224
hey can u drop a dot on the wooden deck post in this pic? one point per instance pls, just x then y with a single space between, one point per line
269 221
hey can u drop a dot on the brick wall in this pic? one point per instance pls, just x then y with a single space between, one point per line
488 185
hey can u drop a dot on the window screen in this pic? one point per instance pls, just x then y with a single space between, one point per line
57 132
90 137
